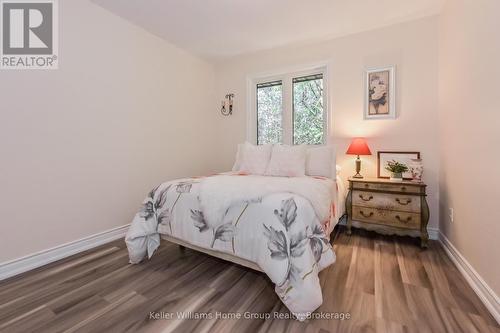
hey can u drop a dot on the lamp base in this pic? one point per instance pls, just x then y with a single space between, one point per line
358 168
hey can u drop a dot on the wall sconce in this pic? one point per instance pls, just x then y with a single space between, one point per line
227 105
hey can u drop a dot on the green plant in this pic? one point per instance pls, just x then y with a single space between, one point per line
396 167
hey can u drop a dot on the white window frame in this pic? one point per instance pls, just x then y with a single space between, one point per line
286 77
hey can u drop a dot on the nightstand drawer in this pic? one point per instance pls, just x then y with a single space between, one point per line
387 217
395 187
399 202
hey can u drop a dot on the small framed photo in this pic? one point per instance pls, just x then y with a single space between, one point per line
399 156
380 93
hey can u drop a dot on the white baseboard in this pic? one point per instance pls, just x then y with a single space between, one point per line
433 233
480 287
32 261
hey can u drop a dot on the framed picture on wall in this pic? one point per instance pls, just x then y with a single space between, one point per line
399 156
380 93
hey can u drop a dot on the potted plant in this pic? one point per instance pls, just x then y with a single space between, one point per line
396 169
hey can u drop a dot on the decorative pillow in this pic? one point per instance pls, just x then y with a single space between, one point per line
239 157
255 158
288 161
320 161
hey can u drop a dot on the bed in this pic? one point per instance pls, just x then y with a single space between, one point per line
278 225
337 213
273 213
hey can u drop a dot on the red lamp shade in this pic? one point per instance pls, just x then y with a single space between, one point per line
358 146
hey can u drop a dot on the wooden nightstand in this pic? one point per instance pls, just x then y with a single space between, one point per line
388 207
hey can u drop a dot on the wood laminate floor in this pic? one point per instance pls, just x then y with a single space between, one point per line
384 284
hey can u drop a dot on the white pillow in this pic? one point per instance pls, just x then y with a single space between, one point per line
255 158
239 157
288 161
320 161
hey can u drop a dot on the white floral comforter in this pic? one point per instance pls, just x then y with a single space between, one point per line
283 229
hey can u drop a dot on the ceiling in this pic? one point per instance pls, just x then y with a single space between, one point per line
215 29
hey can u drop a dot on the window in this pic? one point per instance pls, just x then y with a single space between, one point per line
308 112
269 112
290 109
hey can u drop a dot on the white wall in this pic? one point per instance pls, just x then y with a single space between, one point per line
412 47
81 146
470 136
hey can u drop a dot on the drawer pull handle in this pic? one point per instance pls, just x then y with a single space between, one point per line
401 202
408 219
365 199
403 188
367 185
366 215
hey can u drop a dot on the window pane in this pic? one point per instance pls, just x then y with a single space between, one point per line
269 113
308 111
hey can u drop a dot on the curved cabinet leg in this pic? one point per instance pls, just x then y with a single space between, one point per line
424 235
348 209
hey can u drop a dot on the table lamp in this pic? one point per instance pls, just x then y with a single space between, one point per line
358 147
